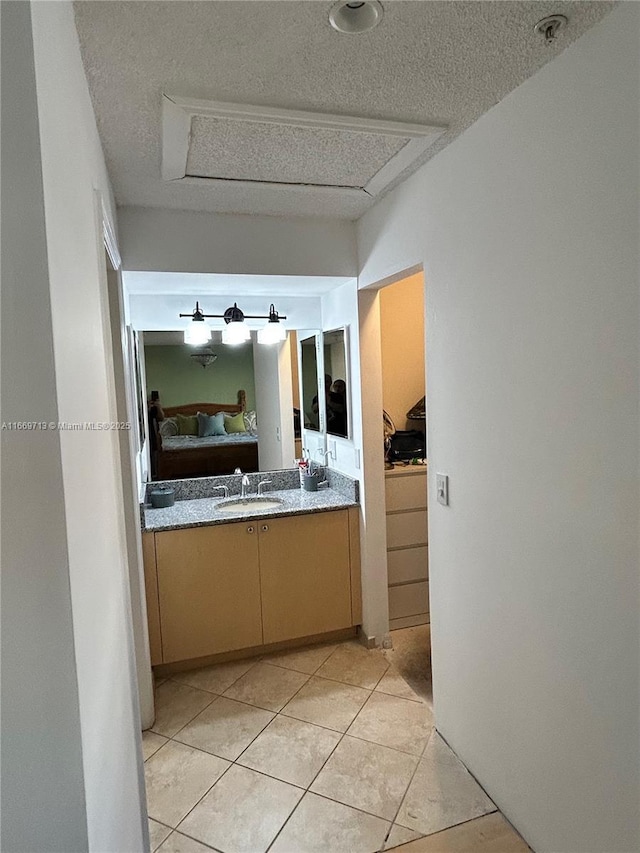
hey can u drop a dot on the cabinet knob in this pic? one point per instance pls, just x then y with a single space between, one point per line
250 529
265 527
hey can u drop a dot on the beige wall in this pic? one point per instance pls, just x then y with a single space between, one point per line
295 379
403 358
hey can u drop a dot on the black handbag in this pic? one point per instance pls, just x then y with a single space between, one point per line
406 445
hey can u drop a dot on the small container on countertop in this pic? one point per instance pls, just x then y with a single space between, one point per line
161 498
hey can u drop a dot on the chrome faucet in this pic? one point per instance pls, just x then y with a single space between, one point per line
245 484
226 490
324 454
261 484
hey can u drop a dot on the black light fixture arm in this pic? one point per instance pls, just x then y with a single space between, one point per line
234 314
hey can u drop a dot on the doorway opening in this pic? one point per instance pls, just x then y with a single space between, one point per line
394 349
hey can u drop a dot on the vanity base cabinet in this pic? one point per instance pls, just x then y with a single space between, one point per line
246 585
305 575
208 589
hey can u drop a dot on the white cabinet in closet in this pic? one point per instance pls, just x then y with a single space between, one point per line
407 550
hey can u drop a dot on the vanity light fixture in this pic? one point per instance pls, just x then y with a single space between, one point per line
235 330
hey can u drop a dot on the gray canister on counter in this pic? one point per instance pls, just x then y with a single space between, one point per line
310 482
161 498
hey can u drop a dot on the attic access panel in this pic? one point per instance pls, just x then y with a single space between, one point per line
207 142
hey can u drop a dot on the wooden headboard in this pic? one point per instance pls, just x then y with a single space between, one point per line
207 408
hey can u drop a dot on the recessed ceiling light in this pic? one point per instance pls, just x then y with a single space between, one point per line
352 17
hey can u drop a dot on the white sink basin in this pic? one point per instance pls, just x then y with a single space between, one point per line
253 504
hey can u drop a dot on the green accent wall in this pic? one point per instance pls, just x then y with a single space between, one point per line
179 379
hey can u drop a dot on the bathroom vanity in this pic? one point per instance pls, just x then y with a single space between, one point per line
225 577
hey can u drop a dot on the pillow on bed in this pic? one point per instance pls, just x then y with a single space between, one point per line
168 427
187 424
210 424
250 422
235 424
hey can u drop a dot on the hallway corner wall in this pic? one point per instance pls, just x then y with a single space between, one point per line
527 227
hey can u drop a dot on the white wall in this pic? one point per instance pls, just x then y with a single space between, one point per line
43 805
72 166
527 226
160 312
188 241
344 306
274 405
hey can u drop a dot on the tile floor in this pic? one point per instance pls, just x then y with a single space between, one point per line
319 750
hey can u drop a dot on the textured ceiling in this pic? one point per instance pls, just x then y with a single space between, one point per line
429 61
224 148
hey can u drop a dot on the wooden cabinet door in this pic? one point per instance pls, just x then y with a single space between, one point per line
305 575
209 590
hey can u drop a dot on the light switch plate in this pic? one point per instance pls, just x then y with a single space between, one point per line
356 458
442 489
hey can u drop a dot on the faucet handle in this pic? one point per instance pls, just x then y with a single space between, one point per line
263 483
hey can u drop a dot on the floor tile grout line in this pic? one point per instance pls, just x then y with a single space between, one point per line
404 796
445 741
459 823
182 819
303 672
208 846
213 699
203 689
239 701
308 788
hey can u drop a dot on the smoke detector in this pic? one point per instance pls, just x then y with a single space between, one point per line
353 17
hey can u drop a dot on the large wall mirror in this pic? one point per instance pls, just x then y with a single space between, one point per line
337 396
311 407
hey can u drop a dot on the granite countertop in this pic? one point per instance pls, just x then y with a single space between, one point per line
201 512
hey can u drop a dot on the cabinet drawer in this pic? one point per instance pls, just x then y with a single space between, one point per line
406 492
408 600
407 528
409 564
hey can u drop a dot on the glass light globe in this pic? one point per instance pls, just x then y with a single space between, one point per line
272 333
235 333
197 333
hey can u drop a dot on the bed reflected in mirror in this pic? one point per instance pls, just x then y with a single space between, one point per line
204 422
336 382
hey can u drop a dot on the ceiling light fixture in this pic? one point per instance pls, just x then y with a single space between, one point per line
354 18
204 357
235 330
